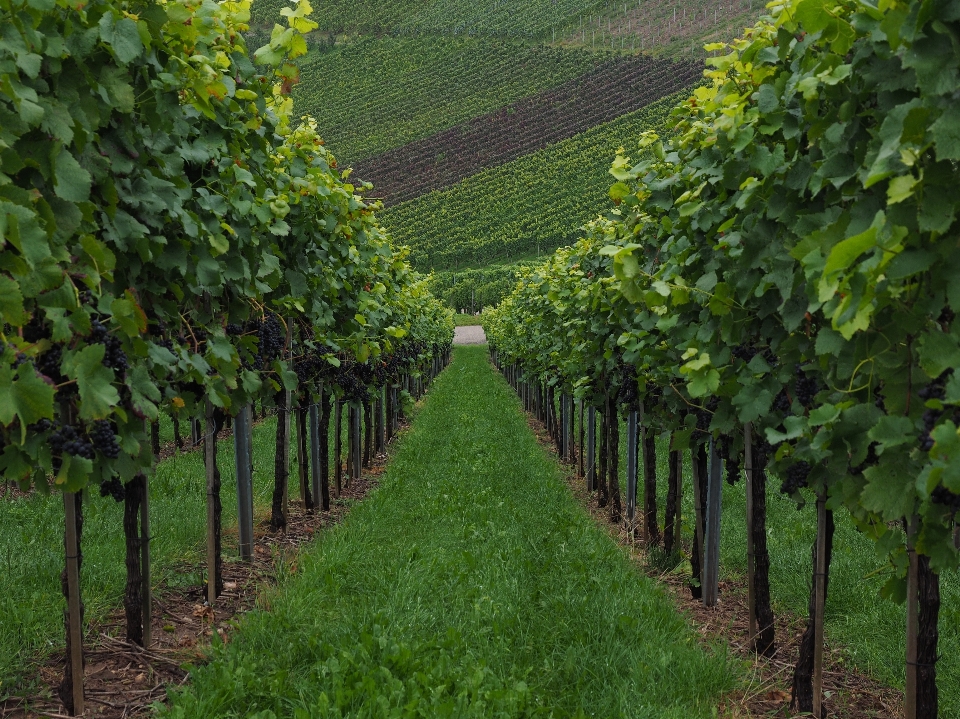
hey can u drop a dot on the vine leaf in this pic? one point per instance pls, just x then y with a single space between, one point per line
72 181
95 382
24 395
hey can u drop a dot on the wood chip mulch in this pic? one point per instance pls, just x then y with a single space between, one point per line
765 690
122 679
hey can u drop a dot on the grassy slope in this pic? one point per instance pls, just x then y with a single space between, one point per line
537 202
469 584
376 94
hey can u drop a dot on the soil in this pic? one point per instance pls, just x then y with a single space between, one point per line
123 680
469 335
848 694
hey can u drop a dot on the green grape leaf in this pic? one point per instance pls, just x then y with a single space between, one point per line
25 396
98 396
72 181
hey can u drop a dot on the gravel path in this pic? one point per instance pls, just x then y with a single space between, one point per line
469 335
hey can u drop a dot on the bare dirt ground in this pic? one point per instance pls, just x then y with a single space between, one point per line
469 335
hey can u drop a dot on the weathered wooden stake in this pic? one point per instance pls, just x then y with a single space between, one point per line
820 575
632 471
711 552
913 622
243 461
145 590
315 450
210 458
75 618
591 473
751 567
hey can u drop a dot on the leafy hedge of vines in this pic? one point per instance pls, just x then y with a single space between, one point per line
789 258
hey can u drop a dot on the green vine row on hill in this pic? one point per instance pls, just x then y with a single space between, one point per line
789 260
618 87
527 206
376 94
529 19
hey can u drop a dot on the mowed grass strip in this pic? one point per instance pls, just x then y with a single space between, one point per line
470 584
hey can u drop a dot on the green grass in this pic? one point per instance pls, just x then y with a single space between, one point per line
31 546
465 320
469 584
376 94
534 204
871 629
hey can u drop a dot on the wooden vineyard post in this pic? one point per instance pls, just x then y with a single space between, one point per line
677 523
913 622
315 448
355 442
751 567
209 453
580 458
563 427
145 588
303 465
242 455
632 471
338 445
820 602
711 554
71 500
698 504
591 473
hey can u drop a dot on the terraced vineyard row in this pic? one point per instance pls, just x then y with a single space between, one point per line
535 203
620 86
381 93
527 19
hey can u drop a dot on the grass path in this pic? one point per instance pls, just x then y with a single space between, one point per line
470 584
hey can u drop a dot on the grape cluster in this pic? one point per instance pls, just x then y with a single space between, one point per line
807 388
234 330
796 479
307 367
942 495
113 487
745 352
66 440
629 394
870 460
350 378
270 341
946 318
879 400
781 403
104 440
704 415
730 457
770 358
114 356
49 364
35 330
